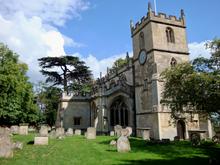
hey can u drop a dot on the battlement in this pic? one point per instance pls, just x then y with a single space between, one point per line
75 96
158 18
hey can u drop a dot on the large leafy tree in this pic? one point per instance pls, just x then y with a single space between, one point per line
17 102
48 98
67 71
195 86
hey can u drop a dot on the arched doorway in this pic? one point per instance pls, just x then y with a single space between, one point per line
181 129
119 113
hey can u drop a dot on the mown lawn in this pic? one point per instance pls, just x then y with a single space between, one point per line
80 151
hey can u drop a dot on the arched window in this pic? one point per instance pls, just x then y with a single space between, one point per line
119 113
170 35
141 40
173 62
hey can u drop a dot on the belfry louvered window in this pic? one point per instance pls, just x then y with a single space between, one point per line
170 35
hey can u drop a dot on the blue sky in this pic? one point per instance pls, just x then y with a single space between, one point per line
97 31
104 28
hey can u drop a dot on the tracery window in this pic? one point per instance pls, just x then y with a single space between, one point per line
119 113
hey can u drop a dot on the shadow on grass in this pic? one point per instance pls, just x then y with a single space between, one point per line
171 153
176 161
30 142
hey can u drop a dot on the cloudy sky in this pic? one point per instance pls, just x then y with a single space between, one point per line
95 30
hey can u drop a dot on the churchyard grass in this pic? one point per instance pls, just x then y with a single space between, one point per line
78 150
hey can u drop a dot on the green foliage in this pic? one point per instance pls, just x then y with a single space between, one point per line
119 63
73 71
16 95
194 87
49 98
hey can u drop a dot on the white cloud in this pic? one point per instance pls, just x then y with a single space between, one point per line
31 41
197 49
28 28
50 11
97 65
71 43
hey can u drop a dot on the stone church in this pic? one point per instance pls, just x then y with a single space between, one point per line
130 96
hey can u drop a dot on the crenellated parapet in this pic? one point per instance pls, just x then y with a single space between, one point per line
75 96
157 18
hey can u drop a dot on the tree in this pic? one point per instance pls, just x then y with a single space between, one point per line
49 97
119 63
195 86
17 102
68 71
212 64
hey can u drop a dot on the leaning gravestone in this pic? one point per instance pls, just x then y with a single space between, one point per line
18 145
14 129
77 132
6 146
118 129
43 131
91 133
52 134
23 130
69 132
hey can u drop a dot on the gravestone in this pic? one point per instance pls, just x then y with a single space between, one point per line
77 132
14 129
43 131
4 130
31 129
52 134
125 132
41 141
60 132
113 143
6 146
18 145
129 131
146 135
123 144
69 132
23 130
112 133
91 133
118 129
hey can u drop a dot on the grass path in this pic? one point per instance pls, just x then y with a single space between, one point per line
80 151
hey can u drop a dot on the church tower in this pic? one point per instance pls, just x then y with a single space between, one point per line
159 41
